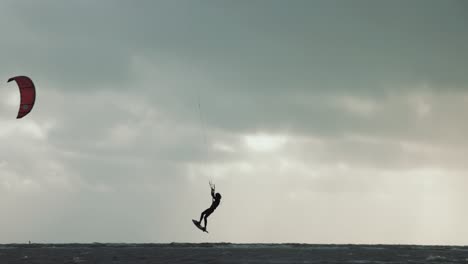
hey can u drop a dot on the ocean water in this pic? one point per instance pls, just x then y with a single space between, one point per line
98 253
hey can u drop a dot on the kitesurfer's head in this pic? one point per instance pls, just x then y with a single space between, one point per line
218 196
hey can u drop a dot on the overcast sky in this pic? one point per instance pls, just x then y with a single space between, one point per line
319 121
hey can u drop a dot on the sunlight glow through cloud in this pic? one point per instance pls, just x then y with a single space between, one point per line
264 142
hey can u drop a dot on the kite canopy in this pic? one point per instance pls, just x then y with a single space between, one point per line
27 94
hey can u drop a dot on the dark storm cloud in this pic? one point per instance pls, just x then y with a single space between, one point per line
306 45
254 66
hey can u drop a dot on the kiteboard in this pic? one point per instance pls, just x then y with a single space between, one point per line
197 224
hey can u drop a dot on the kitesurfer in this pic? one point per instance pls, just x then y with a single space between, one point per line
216 199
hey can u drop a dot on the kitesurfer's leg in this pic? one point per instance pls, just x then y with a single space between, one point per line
201 217
203 214
207 213
206 221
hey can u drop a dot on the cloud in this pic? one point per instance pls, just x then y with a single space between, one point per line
264 142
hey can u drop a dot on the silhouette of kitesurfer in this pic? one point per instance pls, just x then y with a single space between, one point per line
215 202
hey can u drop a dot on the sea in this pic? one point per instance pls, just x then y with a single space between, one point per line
119 253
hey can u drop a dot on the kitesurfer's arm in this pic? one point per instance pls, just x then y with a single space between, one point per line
212 192
212 186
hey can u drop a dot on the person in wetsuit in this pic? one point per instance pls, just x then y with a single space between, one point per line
215 202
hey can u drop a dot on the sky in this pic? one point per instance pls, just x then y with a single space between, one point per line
318 121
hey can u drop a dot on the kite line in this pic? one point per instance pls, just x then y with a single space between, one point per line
203 128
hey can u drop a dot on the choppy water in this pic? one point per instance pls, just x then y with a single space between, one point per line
228 253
